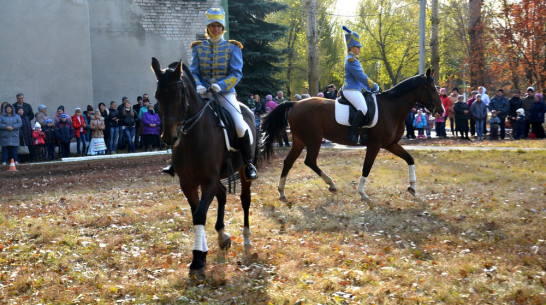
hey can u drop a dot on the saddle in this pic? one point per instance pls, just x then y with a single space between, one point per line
224 120
369 116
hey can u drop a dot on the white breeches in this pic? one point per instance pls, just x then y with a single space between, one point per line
229 102
357 99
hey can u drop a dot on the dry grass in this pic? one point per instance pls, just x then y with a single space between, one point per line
474 234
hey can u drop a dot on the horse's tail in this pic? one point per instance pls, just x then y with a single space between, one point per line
273 125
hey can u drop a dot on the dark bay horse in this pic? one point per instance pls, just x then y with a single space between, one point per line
199 155
313 119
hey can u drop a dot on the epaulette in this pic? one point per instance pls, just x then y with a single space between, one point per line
195 43
235 42
351 59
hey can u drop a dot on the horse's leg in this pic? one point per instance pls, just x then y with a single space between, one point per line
224 240
293 154
200 248
311 161
398 150
245 202
371 153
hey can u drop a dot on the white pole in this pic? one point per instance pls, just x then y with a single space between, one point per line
422 21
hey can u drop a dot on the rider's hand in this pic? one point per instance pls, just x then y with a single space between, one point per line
376 88
200 89
216 88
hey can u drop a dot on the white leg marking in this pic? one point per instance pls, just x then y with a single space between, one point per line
282 182
360 188
328 181
412 176
246 237
199 240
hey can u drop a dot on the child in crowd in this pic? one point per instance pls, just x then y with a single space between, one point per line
50 139
519 125
64 132
80 130
494 124
430 123
39 142
440 125
420 122
97 146
410 132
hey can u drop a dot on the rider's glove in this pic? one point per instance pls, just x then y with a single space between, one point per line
200 89
216 88
376 88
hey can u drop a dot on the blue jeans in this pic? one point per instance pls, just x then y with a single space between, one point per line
129 132
81 140
7 152
480 125
114 137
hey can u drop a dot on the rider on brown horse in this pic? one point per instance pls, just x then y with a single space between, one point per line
355 82
218 64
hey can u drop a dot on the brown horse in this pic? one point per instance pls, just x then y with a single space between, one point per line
199 155
313 119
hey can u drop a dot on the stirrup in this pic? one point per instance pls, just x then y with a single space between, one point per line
352 138
250 172
168 170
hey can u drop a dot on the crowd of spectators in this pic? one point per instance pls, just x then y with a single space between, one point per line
481 114
107 130
38 137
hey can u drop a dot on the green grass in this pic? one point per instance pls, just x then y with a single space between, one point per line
473 234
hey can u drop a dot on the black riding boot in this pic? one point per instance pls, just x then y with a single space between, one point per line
246 152
169 169
354 127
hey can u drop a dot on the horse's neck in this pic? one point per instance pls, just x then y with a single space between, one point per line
402 105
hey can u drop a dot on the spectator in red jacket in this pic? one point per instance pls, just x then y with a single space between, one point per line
80 131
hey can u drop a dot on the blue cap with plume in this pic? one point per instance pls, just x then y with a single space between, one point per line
351 38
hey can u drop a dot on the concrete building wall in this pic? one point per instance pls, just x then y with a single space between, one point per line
45 53
126 34
80 52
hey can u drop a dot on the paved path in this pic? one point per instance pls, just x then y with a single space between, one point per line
438 148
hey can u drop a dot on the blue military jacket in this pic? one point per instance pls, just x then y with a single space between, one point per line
220 63
354 76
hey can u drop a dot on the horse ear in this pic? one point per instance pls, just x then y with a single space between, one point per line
178 72
428 73
156 67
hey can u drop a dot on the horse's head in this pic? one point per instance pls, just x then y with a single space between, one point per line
172 94
429 97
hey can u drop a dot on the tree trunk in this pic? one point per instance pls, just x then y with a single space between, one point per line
475 33
434 42
312 46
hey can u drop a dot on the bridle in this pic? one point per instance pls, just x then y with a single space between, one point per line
185 123
429 96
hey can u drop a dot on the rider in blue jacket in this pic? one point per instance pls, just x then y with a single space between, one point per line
218 64
355 82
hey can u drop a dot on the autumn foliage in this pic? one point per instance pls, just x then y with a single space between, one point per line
519 52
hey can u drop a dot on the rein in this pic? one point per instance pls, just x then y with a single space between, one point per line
186 124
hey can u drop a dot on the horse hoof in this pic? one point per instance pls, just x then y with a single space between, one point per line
197 275
225 244
411 191
332 189
364 197
283 198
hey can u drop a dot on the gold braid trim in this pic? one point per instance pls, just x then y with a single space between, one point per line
195 43
235 42
351 59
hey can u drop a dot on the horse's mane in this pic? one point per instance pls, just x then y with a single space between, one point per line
186 70
405 86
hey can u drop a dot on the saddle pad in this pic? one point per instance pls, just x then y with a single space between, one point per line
342 113
226 136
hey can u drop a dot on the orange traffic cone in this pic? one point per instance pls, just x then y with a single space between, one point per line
12 166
